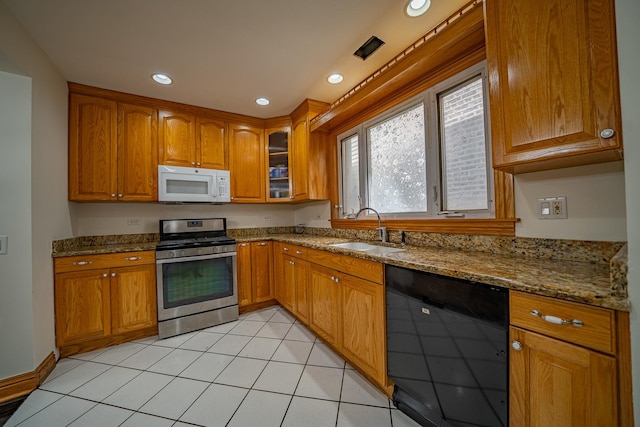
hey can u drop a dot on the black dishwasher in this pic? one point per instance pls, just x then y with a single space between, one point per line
447 342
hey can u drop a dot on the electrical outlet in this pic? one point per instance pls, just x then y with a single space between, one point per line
552 208
133 221
267 218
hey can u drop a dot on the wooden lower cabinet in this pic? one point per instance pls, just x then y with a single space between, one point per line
300 280
325 304
255 273
102 300
82 301
554 383
363 324
133 298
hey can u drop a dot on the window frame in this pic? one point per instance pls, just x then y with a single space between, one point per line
429 98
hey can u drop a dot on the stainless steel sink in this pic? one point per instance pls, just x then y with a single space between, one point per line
366 247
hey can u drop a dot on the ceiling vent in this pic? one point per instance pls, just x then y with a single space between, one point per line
368 48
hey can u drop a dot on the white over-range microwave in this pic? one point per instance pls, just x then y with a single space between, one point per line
193 185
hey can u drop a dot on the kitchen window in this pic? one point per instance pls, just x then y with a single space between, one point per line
429 157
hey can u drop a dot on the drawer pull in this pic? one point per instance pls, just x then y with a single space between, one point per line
82 262
262 244
133 258
299 252
285 249
557 320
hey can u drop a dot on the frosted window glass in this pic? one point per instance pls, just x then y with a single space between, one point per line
463 142
397 163
350 175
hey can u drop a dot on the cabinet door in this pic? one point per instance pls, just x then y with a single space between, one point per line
92 148
243 261
133 298
553 383
287 290
553 83
246 163
262 276
363 333
300 161
82 305
300 282
176 139
137 153
325 303
211 144
278 165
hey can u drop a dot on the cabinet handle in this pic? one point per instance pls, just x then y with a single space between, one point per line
133 258
105 275
299 252
82 262
113 274
607 133
333 279
517 345
337 280
262 244
113 194
285 249
557 320
193 163
292 262
243 244
120 196
197 163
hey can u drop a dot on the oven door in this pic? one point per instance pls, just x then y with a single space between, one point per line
196 284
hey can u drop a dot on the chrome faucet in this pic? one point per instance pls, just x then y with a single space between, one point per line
381 230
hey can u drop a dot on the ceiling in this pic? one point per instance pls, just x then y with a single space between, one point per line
223 54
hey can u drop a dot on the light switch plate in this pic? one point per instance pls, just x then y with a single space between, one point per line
4 241
552 208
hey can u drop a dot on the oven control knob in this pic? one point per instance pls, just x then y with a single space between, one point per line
216 250
181 253
199 251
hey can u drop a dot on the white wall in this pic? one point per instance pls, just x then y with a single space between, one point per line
16 324
46 170
628 16
95 219
595 203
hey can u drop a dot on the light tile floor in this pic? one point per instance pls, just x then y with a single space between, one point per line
265 369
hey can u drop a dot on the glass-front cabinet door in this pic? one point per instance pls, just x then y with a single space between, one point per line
279 182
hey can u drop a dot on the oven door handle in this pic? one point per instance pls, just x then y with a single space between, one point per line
195 258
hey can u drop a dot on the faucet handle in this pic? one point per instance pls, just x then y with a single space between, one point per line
383 234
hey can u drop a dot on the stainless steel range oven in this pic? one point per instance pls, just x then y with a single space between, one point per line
196 275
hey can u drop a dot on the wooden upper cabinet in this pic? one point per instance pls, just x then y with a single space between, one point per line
137 153
212 147
92 148
246 163
176 139
311 154
553 83
278 164
300 160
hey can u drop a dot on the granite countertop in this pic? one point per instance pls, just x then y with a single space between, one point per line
583 282
594 283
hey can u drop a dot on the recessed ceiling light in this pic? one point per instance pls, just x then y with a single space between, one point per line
335 78
262 101
163 79
417 7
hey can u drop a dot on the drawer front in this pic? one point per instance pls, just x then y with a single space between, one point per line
91 262
294 250
598 324
365 269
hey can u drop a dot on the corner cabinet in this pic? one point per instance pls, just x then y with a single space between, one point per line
278 161
102 300
112 150
246 163
553 83
563 374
